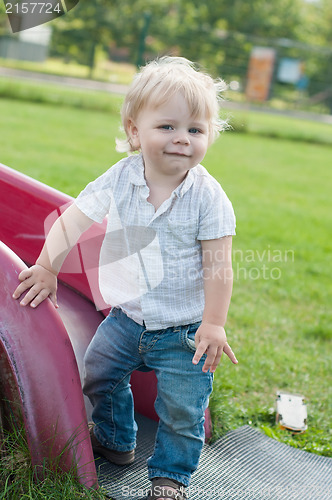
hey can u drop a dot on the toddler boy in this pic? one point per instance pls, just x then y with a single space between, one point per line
170 227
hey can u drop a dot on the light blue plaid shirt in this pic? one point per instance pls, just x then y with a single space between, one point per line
151 260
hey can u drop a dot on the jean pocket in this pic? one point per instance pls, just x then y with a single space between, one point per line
113 312
188 336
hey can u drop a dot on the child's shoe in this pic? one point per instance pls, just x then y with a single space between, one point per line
114 456
162 487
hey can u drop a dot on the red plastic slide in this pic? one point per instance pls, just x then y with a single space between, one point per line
41 350
40 382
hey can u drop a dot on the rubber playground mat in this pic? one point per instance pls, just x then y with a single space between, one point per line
244 465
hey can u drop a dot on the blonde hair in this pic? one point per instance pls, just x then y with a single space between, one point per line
159 80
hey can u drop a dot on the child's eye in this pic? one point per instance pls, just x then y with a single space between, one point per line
194 130
166 127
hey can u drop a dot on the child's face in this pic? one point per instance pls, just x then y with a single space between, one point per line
171 140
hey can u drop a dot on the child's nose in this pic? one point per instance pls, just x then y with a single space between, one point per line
182 137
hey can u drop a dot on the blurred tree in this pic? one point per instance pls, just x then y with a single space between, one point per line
324 27
77 34
187 24
316 33
219 35
104 23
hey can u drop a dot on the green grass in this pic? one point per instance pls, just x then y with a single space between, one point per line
280 322
65 147
104 70
18 478
48 93
280 127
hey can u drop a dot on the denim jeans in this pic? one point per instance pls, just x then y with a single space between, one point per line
121 346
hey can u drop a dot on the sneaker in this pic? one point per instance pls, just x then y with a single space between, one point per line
113 456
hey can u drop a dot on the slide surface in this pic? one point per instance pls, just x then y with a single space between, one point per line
40 381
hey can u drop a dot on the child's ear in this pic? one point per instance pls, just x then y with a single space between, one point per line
133 134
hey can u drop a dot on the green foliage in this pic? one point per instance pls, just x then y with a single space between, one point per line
18 478
220 34
77 34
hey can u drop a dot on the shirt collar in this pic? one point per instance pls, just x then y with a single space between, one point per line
137 170
137 176
186 183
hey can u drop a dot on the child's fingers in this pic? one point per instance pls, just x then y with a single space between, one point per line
54 300
213 356
39 298
212 367
228 351
26 273
201 348
22 287
25 283
31 295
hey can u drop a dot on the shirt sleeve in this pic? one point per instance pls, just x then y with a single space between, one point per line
96 198
217 218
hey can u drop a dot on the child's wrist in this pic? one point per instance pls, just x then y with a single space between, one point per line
213 322
46 268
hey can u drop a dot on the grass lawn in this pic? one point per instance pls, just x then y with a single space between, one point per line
280 321
105 70
280 317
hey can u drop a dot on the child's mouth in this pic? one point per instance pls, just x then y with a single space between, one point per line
176 153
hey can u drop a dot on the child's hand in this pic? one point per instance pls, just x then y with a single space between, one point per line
211 339
42 284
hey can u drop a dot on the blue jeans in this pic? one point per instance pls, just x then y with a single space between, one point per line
121 346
